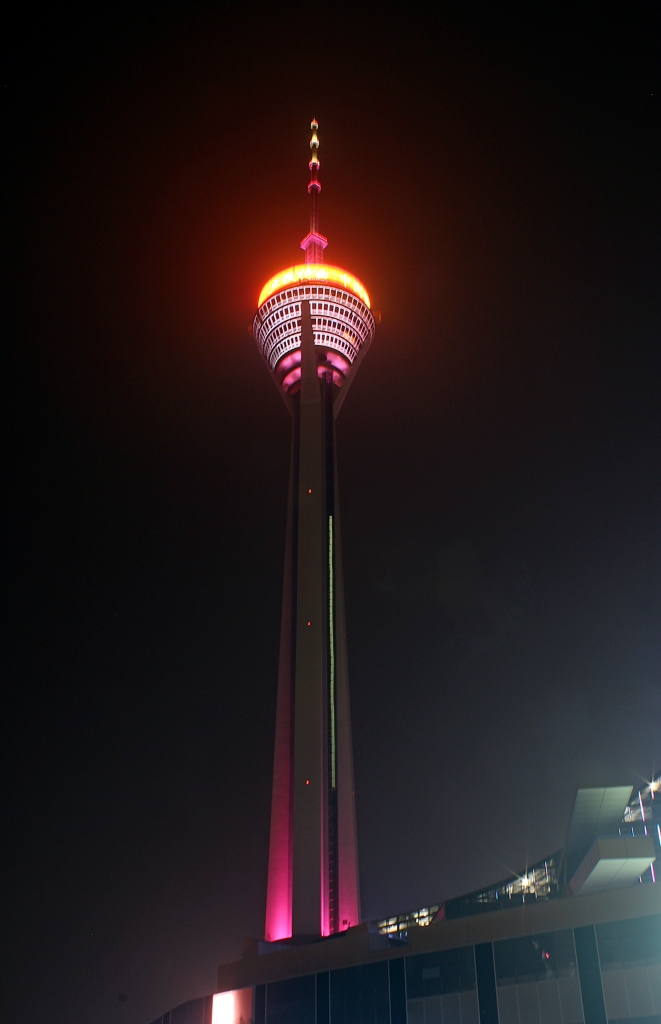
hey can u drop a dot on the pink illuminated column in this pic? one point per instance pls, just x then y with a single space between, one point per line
279 888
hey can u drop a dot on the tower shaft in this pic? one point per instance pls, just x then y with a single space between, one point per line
313 869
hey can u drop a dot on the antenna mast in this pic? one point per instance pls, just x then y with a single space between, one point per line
314 243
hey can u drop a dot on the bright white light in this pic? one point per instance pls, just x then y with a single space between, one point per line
223 1009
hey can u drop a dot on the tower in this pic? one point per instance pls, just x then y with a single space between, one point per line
313 326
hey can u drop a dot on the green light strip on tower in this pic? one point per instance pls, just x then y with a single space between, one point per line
331 635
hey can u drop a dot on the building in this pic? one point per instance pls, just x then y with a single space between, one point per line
573 939
313 326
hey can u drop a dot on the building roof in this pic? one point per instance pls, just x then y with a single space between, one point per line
597 813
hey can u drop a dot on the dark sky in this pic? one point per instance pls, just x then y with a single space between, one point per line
494 181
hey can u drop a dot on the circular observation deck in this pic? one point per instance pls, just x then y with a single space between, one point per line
342 322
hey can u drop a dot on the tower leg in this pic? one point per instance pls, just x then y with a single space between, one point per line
349 882
309 733
281 848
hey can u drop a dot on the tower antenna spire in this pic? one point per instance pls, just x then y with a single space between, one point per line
314 188
314 243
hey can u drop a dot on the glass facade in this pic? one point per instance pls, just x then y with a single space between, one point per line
602 974
352 995
630 962
292 1001
398 926
537 979
629 944
539 882
535 958
442 973
441 987
360 995
534 978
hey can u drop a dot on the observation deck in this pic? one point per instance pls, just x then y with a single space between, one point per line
342 322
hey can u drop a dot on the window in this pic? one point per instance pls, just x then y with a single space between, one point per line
359 995
540 957
442 973
624 944
291 1001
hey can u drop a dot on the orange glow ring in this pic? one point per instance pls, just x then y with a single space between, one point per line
320 273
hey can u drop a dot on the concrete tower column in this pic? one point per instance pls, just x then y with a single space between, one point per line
310 668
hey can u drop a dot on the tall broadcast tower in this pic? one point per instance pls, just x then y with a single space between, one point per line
313 326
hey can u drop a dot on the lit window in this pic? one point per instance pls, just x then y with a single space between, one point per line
222 1008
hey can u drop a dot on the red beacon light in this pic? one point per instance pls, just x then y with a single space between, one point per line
342 322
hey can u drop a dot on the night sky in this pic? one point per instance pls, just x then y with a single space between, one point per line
493 179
